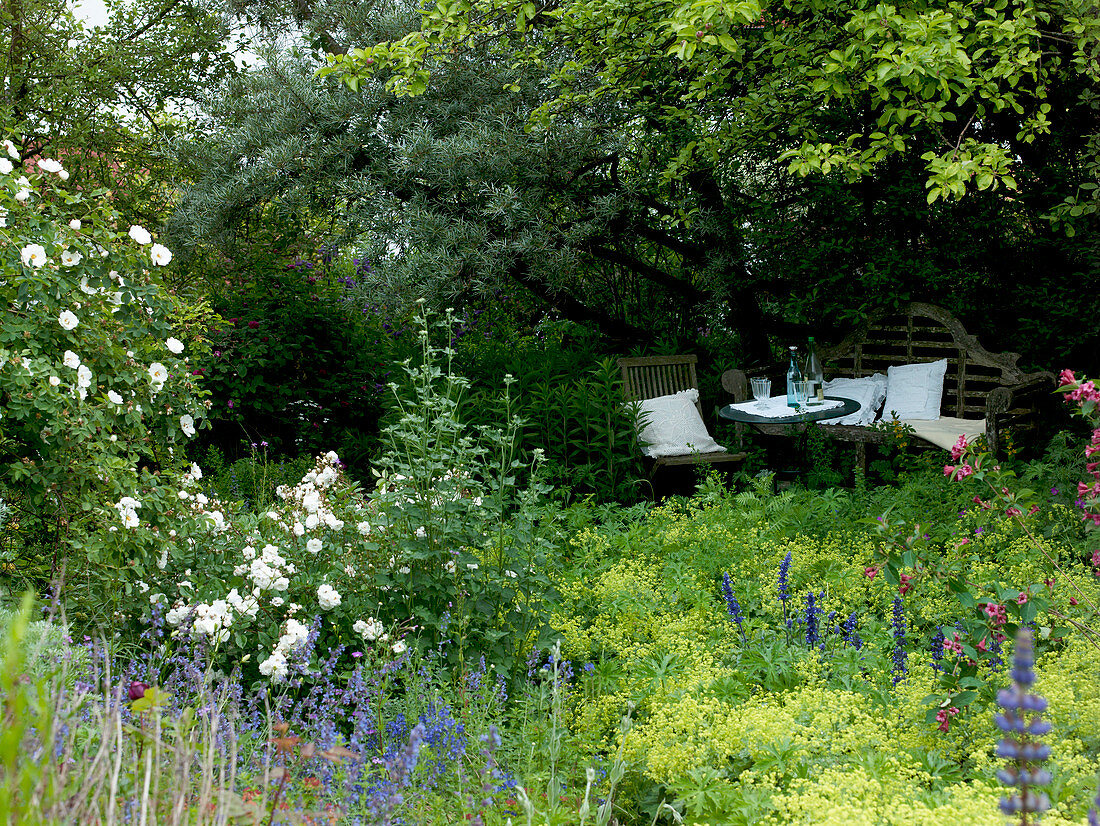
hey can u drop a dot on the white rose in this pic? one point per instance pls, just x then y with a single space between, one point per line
83 376
399 647
10 147
175 345
5 166
34 255
114 397
68 320
70 258
23 195
160 255
158 373
54 381
327 597
75 224
49 165
314 545
370 630
187 425
71 359
140 234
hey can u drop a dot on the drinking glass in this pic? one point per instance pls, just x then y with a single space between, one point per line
801 391
761 390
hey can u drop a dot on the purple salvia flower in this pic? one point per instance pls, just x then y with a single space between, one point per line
733 607
898 656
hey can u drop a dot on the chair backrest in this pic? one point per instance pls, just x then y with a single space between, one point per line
924 332
647 377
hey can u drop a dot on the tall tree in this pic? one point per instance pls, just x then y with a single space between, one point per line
104 99
994 101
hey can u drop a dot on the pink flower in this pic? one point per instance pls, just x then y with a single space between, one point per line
1066 377
948 470
963 471
871 570
1072 601
953 646
1012 512
1020 600
983 646
959 449
943 717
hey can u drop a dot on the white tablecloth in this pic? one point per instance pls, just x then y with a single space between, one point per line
776 407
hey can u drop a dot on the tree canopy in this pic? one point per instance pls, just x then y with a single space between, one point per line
105 99
800 164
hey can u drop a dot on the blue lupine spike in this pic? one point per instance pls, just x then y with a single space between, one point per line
1021 722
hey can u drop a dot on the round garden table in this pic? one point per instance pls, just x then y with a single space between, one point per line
810 414
796 423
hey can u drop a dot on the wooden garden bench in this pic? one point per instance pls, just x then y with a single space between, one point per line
979 385
649 377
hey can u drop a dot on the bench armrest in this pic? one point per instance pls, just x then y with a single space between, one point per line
1014 400
736 382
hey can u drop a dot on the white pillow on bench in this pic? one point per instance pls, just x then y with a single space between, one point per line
868 391
675 427
914 391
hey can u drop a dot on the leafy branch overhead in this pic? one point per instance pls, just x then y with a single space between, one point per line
827 87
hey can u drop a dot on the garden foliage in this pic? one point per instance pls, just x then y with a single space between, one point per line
97 399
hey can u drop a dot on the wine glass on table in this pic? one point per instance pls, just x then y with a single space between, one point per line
801 392
761 391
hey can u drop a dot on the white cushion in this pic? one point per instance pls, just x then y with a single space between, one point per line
946 430
675 427
914 391
868 391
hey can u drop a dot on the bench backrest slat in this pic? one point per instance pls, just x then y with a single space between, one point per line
647 377
922 333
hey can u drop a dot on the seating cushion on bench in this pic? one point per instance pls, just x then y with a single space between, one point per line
946 430
675 427
869 391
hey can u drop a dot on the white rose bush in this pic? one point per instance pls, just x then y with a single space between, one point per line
96 400
446 553
276 587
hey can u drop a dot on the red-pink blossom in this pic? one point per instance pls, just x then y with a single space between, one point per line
959 449
1020 600
943 717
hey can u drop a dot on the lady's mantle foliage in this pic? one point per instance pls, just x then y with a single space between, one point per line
93 384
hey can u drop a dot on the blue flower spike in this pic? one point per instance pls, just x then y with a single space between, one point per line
733 607
1021 722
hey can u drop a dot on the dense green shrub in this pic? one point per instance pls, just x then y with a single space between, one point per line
299 357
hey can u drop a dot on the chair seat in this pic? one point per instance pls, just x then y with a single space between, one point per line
712 458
